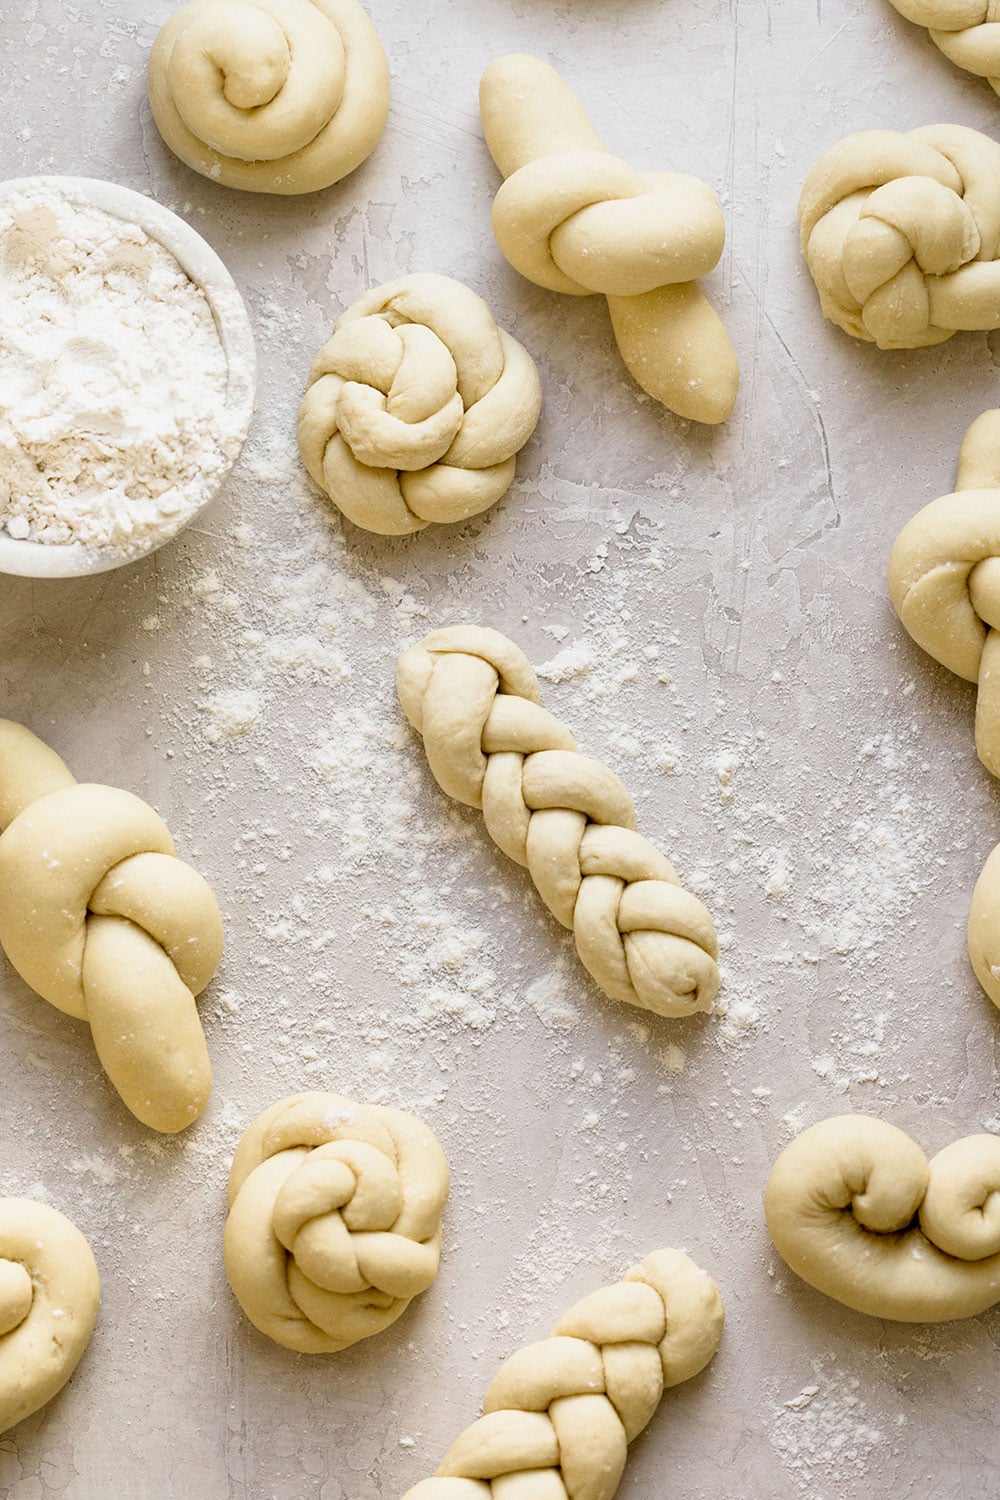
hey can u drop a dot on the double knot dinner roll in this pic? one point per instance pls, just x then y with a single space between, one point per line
967 32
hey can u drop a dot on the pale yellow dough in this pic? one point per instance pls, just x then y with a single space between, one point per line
901 233
858 1212
967 32
473 697
50 1294
334 1220
103 920
573 218
417 406
561 1413
271 96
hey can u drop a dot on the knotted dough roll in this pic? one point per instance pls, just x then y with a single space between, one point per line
858 1212
103 920
473 697
50 1294
572 218
334 1220
561 1413
417 406
966 31
271 96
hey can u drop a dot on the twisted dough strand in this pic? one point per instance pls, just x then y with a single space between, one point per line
561 1413
473 697
966 31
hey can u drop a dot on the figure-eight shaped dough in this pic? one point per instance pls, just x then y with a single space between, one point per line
858 1212
561 1413
334 1220
271 96
417 406
50 1294
902 234
966 31
103 920
473 697
572 218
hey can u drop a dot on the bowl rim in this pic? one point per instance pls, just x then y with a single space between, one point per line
27 559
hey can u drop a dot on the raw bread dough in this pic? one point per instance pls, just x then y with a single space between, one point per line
271 96
965 30
561 1413
416 407
473 697
858 1212
901 233
50 1293
102 919
573 218
334 1220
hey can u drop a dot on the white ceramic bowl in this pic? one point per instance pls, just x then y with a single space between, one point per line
199 260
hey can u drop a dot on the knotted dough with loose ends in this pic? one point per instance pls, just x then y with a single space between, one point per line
855 1208
471 694
966 31
901 233
100 918
561 1413
417 407
50 1294
334 1220
270 96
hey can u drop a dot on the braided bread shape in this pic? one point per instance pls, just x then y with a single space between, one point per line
334 1220
966 31
572 218
100 918
50 1294
270 96
561 1413
473 697
417 406
902 234
858 1212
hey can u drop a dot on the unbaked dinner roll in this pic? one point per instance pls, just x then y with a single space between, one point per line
334 1219
271 96
967 32
901 233
50 1294
858 1212
103 920
561 1413
573 218
417 406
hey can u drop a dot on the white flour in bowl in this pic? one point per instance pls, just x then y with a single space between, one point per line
113 380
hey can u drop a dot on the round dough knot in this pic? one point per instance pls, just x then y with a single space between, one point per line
417 406
901 233
473 697
858 1212
334 1220
966 31
272 96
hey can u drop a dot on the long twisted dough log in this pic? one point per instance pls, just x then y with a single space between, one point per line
417 406
50 1294
858 1212
334 1220
561 1413
103 920
966 31
572 218
902 234
271 96
473 697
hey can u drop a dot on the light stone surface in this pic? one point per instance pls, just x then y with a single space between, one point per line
811 773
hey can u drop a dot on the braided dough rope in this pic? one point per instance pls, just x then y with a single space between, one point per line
100 917
966 31
572 218
902 234
561 1413
858 1212
50 1294
334 1220
271 96
473 697
417 406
